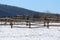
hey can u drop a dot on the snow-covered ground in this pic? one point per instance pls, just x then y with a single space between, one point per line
42 33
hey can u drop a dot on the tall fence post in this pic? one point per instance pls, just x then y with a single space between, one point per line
11 24
47 23
44 23
29 24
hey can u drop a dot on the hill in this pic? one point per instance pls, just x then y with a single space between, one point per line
6 10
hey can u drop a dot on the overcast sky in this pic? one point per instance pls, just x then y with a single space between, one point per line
52 6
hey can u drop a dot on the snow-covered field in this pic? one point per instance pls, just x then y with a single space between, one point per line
42 33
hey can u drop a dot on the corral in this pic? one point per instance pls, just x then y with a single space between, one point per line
29 21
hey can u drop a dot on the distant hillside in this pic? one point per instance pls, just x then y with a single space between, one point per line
6 10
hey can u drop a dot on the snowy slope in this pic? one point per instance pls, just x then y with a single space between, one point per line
6 33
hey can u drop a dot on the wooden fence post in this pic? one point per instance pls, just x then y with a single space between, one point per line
29 24
44 23
11 24
47 23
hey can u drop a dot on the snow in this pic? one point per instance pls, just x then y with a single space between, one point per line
42 33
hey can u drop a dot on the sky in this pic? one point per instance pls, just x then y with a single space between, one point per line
52 6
